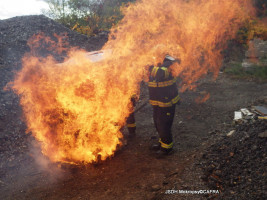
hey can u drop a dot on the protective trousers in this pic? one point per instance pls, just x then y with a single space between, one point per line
131 123
163 119
131 119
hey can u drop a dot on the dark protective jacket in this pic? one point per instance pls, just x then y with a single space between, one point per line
163 91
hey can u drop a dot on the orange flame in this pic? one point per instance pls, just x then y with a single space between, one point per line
201 99
76 109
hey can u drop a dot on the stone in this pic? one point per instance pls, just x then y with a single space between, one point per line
257 48
263 134
230 133
155 187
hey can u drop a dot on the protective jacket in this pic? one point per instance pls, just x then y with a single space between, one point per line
162 86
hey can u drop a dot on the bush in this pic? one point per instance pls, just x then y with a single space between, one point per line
88 17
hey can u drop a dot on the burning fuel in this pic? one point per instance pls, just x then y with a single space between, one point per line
76 109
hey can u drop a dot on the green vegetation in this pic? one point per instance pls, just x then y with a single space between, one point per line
255 27
88 17
258 72
252 29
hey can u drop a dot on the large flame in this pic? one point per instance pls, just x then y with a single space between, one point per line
76 109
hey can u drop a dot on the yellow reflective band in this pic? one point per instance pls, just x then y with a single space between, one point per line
168 104
154 71
168 114
162 84
131 125
166 72
166 146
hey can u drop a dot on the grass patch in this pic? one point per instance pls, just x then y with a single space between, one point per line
258 72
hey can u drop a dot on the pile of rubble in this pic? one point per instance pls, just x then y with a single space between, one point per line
236 164
245 115
16 31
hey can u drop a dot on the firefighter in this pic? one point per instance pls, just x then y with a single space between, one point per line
131 119
163 96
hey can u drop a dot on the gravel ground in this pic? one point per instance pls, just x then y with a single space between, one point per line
236 165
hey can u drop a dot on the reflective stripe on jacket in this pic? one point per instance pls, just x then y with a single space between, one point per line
162 86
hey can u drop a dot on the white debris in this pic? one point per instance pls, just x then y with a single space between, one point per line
230 133
238 115
245 115
245 111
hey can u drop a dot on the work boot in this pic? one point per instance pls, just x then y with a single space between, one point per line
164 152
155 147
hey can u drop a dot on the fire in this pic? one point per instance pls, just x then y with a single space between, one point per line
76 109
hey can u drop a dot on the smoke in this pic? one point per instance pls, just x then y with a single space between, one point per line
44 165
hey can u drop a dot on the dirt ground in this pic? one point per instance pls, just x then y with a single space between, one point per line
134 172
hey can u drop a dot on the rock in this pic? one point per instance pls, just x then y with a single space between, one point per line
230 133
218 173
255 55
254 147
257 49
155 188
165 182
263 134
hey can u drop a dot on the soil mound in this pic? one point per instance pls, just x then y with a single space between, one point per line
15 32
237 165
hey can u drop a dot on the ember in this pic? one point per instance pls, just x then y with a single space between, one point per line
76 109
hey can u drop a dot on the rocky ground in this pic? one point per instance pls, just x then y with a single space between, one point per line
204 158
236 165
